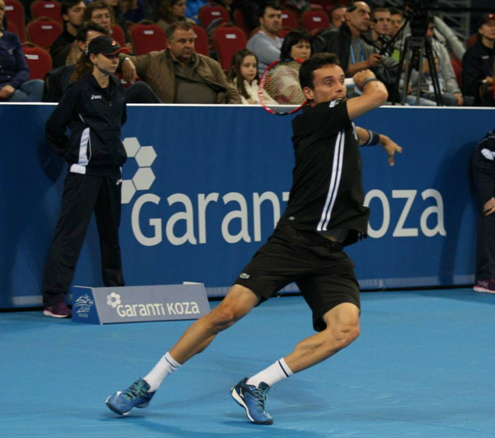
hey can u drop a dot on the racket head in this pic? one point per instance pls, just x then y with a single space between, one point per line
280 91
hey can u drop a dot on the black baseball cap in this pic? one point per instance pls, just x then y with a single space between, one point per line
105 45
485 18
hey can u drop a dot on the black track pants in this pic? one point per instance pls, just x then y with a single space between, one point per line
84 194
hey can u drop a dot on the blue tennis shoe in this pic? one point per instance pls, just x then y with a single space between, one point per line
253 399
136 396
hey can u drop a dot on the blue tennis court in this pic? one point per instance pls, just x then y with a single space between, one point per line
424 366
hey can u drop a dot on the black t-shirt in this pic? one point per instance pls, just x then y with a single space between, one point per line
327 191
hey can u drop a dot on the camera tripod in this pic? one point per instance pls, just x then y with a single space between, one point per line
416 49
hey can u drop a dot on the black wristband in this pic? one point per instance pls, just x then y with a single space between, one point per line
373 139
367 81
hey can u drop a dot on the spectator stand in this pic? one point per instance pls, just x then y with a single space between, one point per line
213 15
38 60
315 20
289 19
241 22
227 40
47 8
147 37
201 44
117 33
14 11
43 31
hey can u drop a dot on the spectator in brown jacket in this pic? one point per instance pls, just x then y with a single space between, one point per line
179 74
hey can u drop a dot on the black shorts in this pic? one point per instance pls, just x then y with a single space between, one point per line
321 270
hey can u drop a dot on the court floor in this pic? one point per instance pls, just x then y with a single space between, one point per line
424 366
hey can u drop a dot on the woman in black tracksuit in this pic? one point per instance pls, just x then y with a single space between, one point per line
93 108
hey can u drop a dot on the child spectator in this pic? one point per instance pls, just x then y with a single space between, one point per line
243 75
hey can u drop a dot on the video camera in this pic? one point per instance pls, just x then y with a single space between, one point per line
417 11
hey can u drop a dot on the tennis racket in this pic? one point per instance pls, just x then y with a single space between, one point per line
280 92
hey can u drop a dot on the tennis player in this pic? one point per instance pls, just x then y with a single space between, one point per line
325 212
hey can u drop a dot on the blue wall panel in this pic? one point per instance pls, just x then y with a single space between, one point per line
220 178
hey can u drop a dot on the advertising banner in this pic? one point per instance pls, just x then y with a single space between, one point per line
105 305
203 188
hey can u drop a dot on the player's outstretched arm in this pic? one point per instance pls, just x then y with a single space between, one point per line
374 94
370 138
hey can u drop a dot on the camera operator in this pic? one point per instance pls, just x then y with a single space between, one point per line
443 33
353 49
449 88
380 27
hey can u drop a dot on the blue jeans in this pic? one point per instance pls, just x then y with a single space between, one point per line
448 98
411 100
30 91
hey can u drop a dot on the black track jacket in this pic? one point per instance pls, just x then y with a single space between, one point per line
94 116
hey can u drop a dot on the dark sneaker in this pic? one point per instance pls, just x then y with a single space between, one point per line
58 310
136 396
253 400
487 286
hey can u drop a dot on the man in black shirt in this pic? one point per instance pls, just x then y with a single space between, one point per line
72 13
325 212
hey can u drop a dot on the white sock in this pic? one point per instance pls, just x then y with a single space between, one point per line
271 375
165 366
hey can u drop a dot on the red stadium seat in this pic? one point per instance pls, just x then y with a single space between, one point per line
147 38
117 33
201 44
314 19
47 8
11 27
241 22
227 40
43 31
213 15
15 15
289 19
38 59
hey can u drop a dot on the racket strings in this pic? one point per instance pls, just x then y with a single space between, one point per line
280 87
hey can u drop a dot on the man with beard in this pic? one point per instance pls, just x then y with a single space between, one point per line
265 44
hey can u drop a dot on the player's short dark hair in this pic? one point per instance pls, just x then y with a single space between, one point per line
317 61
82 32
67 4
269 4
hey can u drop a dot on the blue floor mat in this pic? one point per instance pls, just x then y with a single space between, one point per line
424 366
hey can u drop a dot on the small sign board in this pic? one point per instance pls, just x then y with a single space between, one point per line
110 305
